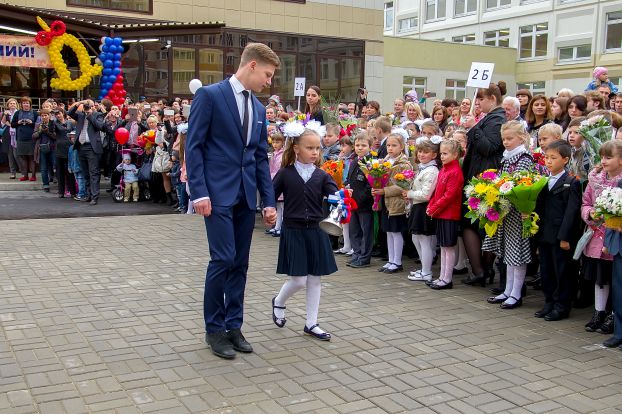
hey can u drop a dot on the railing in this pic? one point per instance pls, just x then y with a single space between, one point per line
36 102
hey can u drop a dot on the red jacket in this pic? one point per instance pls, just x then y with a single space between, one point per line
446 202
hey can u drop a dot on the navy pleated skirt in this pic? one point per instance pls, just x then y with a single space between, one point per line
305 252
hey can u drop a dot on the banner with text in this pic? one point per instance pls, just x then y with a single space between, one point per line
23 51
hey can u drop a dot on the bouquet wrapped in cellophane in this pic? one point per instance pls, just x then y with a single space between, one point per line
521 188
377 173
484 201
608 205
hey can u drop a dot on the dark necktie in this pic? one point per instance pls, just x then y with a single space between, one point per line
245 118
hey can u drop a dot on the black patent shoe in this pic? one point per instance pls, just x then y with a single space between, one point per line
220 344
556 315
548 308
280 322
597 320
398 268
238 341
497 290
324 336
607 326
494 300
517 304
472 280
441 285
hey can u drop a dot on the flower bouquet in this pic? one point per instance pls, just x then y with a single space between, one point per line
595 131
377 174
335 170
404 179
521 188
484 201
609 206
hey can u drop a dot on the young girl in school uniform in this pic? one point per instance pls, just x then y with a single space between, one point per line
393 204
422 226
305 252
278 143
445 206
508 242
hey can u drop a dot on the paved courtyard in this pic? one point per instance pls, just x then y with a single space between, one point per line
104 315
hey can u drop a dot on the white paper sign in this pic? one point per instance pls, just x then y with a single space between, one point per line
480 74
299 86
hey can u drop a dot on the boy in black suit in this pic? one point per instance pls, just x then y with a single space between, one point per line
559 207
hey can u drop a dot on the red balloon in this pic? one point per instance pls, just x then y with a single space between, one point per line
117 87
122 135
120 78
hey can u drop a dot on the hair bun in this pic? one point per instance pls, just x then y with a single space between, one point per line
502 87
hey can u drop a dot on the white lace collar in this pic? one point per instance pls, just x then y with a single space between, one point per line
304 170
516 151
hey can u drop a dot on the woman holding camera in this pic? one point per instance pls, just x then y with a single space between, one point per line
24 124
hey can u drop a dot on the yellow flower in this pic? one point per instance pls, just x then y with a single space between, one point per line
399 176
386 164
480 188
491 197
375 165
374 153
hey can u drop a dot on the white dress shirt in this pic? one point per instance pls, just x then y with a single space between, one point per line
237 87
304 170
553 179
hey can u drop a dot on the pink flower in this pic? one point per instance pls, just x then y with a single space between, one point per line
473 203
489 175
492 215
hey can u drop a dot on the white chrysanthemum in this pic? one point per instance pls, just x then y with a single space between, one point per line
482 208
182 128
402 132
293 129
317 127
468 190
506 187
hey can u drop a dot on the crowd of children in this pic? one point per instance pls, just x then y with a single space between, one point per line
444 153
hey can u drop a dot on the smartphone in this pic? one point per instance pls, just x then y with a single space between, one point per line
147 106
133 113
186 111
432 94
169 112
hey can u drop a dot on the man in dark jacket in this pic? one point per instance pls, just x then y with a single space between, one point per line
88 143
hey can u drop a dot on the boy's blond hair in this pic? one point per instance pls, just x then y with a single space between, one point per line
552 129
259 53
383 123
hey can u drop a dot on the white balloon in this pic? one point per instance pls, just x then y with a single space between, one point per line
194 85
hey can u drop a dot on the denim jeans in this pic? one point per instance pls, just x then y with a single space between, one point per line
182 196
47 167
81 184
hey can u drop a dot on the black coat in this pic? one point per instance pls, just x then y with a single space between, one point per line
95 125
560 211
484 145
361 190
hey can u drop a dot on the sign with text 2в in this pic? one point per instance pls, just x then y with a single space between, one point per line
23 51
299 86
480 74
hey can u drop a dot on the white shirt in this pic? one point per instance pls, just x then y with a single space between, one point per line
304 170
553 179
237 87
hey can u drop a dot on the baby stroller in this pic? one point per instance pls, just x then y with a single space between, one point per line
118 192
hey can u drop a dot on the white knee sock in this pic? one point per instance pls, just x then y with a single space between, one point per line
509 283
289 288
449 256
600 297
346 238
519 279
462 257
417 242
390 247
425 248
398 247
314 290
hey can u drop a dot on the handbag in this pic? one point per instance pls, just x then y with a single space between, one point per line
583 241
144 172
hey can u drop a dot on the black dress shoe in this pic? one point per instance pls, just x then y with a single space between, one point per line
238 341
548 308
280 322
556 315
220 344
462 271
613 342
607 326
473 280
324 336
497 290
597 320
359 265
493 299
518 303
399 268
441 285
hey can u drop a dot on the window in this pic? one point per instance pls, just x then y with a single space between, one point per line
140 6
617 81
531 1
570 53
468 39
388 16
463 7
412 82
455 89
408 24
533 87
533 40
499 38
434 10
614 31
497 4
183 69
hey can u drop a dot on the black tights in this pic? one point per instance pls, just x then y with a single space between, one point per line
473 246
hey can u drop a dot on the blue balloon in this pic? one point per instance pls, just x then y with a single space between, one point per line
107 71
102 56
118 56
117 41
116 64
104 48
112 49
108 41
107 63
109 56
116 71
107 85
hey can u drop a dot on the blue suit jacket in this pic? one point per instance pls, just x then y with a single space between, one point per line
217 158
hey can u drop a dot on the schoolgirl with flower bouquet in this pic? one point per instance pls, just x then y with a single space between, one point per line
508 242
394 207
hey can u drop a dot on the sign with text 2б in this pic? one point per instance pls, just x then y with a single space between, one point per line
480 74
